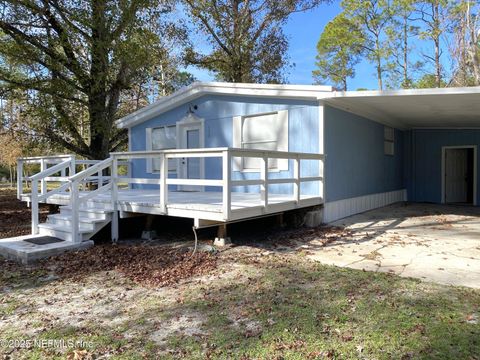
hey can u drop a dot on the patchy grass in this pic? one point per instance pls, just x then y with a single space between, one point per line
258 303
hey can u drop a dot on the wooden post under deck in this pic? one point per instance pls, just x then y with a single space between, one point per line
222 239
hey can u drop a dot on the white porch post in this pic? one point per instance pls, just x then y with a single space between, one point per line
72 166
264 178
227 188
74 203
19 178
321 150
114 182
43 183
34 207
163 183
296 175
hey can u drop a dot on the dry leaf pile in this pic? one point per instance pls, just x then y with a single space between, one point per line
144 264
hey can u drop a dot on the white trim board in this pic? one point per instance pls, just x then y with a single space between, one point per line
474 147
340 209
321 148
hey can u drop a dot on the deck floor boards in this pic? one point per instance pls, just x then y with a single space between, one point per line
244 205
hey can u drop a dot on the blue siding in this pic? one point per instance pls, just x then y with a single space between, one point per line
356 164
424 165
218 112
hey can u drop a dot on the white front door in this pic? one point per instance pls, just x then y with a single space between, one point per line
456 176
191 137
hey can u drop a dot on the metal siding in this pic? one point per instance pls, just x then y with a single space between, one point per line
425 158
356 164
218 112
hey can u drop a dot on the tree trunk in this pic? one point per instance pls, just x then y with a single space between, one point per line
405 52
379 61
97 101
436 40
475 46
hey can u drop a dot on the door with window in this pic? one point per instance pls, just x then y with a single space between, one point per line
191 137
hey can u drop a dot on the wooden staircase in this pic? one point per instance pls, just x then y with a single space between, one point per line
90 220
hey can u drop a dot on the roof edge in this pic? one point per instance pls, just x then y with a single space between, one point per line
408 92
197 89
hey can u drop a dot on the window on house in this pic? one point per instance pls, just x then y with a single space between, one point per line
261 132
389 140
162 138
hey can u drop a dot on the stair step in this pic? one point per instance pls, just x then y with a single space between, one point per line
63 228
100 214
64 217
90 210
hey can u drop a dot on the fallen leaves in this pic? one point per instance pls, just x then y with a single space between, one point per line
15 217
147 265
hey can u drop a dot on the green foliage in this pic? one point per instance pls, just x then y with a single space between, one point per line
339 49
246 37
433 16
401 70
75 60
373 18
428 81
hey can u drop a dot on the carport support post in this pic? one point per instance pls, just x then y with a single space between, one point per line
222 239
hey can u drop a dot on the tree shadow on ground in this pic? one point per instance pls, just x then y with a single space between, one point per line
284 307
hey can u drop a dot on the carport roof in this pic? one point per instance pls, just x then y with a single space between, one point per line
417 108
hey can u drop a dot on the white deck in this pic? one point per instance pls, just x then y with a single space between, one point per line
85 212
203 205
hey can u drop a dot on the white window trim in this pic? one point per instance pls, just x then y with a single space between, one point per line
149 147
282 164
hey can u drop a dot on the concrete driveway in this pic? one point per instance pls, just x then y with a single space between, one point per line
430 242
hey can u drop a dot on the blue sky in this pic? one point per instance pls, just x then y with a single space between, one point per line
303 31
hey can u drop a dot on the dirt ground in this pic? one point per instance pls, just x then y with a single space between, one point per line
262 298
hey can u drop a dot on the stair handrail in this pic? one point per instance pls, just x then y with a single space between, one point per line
84 174
76 200
50 171
39 177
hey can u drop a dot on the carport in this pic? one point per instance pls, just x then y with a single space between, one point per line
441 135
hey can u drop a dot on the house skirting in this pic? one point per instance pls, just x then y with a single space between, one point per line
340 209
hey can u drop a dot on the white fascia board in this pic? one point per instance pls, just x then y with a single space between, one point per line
407 92
334 99
195 90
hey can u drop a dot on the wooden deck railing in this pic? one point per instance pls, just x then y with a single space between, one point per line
226 183
53 171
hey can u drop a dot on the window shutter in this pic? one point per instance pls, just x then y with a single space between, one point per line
237 141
